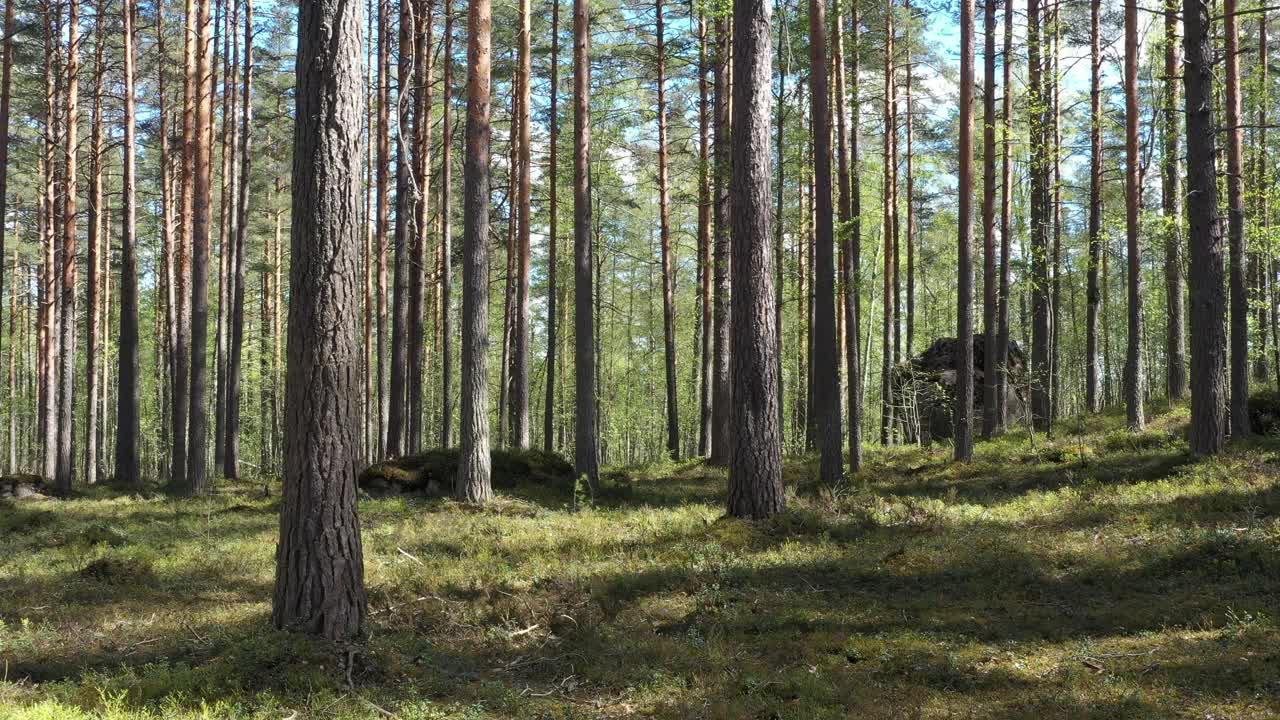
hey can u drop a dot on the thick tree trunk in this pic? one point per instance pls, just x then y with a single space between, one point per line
755 470
1239 415
826 364
473 483
553 237
1207 286
128 470
197 441
586 438
1093 361
319 560
1133 361
668 257
1171 192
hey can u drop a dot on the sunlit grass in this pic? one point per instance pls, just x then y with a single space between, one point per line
1102 575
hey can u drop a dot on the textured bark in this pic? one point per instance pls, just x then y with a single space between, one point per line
755 470
1171 202
668 257
553 237
721 383
1041 411
473 483
49 294
128 470
183 266
319 559
586 437
197 440
1239 407
909 299
1093 361
826 365
989 287
1207 298
227 14
1133 387
964 250
779 256
704 245
231 467
65 471
382 220
520 345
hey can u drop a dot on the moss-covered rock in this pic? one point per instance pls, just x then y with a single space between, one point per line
432 472
1264 412
23 486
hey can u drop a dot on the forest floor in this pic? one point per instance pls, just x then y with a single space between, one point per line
1101 575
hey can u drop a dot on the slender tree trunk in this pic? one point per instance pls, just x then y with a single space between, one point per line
520 344
1041 369
183 277
1006 218
128 470
910 297
784 70
6 72
446 237
553 237
721 385
197 442
1054 139
1093 362
964 250
1133 371
49 295
232 466
1239 415
890 201
417 339
705 244
96 258
587 439
473 484
853 257
668 259
1262 186
403 237
226 21
319 559
989 288
382 220
826 349
755 471
67 305
1207 284
1175 284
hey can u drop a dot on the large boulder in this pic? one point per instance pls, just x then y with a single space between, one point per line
433 472
925 387
23 486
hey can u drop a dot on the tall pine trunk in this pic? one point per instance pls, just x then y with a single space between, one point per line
755 470
1171 202
473 483
553 237
989 287
964 249
68 269
1133 361
668 256
319 565
197 441
1239 415
1093 361
232 443
587 439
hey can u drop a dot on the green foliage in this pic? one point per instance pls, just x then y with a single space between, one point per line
1037 581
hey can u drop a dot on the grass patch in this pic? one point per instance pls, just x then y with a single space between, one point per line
1099 576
